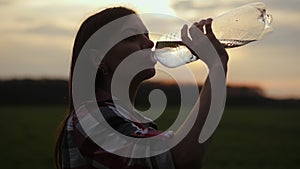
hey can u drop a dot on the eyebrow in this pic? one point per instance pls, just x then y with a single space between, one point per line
135 30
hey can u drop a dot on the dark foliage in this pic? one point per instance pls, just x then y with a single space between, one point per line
56 92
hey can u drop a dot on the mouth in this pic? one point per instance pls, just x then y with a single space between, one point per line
152 56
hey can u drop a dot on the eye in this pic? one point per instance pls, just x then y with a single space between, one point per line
137 36
132 38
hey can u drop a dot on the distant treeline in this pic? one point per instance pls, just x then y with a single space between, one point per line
33 92
56 92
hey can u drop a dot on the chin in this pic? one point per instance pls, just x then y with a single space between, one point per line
145 74
150 73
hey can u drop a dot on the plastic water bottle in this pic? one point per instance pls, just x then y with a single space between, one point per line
234 28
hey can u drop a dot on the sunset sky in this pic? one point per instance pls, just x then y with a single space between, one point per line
37 38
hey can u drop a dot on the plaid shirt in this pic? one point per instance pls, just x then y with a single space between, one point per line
79 151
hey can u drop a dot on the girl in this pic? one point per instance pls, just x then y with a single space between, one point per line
75 149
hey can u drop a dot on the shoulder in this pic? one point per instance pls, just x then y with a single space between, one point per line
105 117
108 117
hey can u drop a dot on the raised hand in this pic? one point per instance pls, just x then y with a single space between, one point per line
203 43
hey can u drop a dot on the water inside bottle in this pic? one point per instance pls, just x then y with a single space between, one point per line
173 53
232 43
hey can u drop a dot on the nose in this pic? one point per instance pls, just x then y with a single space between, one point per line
147 43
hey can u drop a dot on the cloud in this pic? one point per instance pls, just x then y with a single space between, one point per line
204 5
24 19
4 3
37 29
49 30
193 9
33 56
287 6
285 14
270 61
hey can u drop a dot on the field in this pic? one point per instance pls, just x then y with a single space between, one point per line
247 137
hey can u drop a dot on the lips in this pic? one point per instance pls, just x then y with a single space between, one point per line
152 56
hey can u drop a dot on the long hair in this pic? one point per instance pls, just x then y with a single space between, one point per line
86 30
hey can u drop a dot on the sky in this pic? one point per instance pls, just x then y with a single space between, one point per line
37 38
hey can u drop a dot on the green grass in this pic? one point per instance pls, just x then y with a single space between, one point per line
28 136
264 138
255 137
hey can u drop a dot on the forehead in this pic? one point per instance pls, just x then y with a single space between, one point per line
134 23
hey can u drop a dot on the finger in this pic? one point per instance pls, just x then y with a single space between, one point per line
196 24
184 34
196 34
201 24
208 28
193 31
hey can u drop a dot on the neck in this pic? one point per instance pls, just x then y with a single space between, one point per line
132 92
103 91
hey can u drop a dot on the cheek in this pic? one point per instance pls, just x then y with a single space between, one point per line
120 52
123 51
129 49
146 74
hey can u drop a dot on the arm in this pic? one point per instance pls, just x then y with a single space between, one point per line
189 152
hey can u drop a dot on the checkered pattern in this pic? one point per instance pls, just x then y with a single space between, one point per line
78 150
